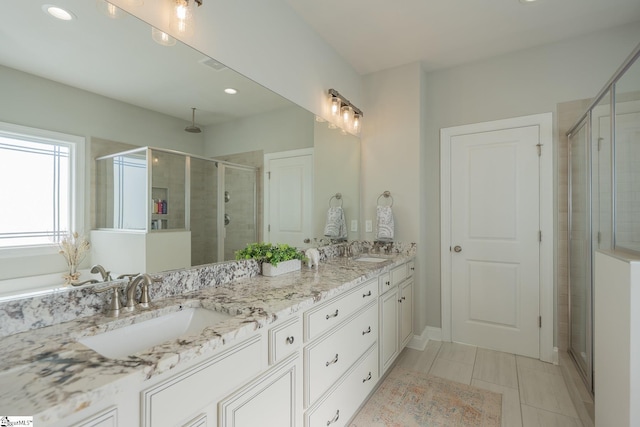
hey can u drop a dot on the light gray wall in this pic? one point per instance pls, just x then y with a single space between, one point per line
280 130
405 109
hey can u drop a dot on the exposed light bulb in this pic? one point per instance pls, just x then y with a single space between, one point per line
346 115
182 18
356 123
335 106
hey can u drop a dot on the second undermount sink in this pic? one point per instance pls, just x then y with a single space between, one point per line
371 259
130 339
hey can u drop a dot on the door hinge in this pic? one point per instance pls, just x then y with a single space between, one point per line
539 321
539 147
539 235
599 237
269 228
268 175
600 143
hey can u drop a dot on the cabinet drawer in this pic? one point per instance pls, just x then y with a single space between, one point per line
185 394
398 274
323 318
385 282
337 408
284 340
330 357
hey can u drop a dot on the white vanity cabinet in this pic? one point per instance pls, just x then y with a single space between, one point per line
395 312
340 355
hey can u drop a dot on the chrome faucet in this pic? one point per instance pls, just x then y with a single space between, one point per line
106 275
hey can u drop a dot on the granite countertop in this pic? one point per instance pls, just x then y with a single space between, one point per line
46 373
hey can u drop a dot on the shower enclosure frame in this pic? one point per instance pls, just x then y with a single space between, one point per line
585 119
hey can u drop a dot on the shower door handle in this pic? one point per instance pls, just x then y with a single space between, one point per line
457 248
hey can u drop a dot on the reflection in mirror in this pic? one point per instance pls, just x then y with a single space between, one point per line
627 160
108 81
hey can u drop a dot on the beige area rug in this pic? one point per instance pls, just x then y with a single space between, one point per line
407 399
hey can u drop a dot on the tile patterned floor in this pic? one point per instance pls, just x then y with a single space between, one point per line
534 393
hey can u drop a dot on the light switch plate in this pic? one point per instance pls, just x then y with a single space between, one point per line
354 225
368 225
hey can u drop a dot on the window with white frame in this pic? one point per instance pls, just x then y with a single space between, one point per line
36 186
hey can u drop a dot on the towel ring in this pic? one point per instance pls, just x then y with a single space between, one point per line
386 195
337 196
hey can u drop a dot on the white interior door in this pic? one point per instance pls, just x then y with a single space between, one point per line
289 197
495 225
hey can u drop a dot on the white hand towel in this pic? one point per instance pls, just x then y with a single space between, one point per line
384 217
336 226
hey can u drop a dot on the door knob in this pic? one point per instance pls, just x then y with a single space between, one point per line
307 240
457 248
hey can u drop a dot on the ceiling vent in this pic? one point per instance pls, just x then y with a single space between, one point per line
210 62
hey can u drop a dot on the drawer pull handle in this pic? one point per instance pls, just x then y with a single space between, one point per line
368 331
400 300
290 340
329 316
368 378
331 362
334 419
368 294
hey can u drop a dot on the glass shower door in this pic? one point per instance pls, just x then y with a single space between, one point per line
580 249
239 199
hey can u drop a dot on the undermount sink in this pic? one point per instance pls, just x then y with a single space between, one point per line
130 339
371 259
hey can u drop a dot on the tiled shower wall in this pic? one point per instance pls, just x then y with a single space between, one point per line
204 205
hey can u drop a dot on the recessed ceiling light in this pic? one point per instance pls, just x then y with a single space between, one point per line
58 12
527 1
230 91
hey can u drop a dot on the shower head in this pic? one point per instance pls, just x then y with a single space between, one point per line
192 127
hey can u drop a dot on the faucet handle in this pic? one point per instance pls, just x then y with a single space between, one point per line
145 300
115 305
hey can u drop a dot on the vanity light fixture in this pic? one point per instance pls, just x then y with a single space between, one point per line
230 91
343 113
58 12
161 37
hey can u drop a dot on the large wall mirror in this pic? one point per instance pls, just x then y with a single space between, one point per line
108 80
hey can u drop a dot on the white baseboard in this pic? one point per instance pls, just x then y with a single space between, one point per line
419 342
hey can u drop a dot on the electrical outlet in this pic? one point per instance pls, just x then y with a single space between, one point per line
354 225
368 225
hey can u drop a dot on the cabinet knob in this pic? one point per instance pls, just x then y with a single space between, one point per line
334 419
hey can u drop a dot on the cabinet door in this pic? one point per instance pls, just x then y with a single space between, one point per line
388 329
270 400
406 313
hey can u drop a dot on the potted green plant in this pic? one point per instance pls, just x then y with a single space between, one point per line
275 259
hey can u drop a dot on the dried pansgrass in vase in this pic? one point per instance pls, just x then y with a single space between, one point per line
73 248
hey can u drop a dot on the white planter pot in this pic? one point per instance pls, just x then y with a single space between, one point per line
282 267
